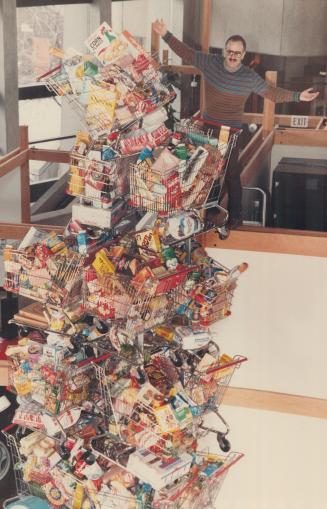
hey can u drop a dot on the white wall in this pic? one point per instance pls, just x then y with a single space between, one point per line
278 321
277 27
283 465
10 198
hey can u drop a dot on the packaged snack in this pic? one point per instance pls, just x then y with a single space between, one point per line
183 225
148 242
165 162
105 44
102 263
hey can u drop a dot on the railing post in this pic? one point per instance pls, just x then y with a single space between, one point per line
269 106
25 178
155 43
205 40
165 55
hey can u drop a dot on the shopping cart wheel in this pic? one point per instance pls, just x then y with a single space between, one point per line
76 341
176 359
24 331
141 377
101 326
224 444
89 352
64 452
223 232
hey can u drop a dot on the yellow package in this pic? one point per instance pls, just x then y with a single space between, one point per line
102 264
76 181
22 383
148 241
222 372
164 332
101 102
166 419
78 497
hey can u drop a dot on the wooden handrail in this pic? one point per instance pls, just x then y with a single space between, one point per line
268 121
256 160
11 163
276 402
15 231
271 240
280 120
25 195
49 156
251 147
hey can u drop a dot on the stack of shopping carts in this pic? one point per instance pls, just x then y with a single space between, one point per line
116 378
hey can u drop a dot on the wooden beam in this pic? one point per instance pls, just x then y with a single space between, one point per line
11 154
155 43
251 147
283 120
276 402
271 240
165 54
205 38
269 106
51 156
255 162
25 196
181 69
304 137
206 7
14 231
13 162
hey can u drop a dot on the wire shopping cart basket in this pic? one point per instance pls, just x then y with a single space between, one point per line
92 90
57 282
99 182
209 300
115 296
36 480
180 177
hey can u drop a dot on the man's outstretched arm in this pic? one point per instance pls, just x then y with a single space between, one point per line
189 55
280 95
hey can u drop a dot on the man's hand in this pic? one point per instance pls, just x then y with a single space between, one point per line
308 95
160 27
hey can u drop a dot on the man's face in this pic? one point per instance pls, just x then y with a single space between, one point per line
234 54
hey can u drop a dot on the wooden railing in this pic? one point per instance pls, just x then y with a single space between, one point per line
252 157
20 158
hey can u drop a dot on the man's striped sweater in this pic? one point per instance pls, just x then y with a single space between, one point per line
226 92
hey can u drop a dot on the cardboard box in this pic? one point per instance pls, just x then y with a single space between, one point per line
101 218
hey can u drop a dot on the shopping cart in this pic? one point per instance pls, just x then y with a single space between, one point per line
58 281
200 488
207 387
209 299
12 436
204 375
180 179
99 182
225 138
119 297
39 486
93 95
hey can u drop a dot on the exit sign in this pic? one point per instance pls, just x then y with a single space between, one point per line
299 121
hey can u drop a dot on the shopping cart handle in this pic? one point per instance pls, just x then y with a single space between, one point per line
48 72
8 428
92 360
198 118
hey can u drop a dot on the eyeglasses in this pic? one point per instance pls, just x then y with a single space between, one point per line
237 54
